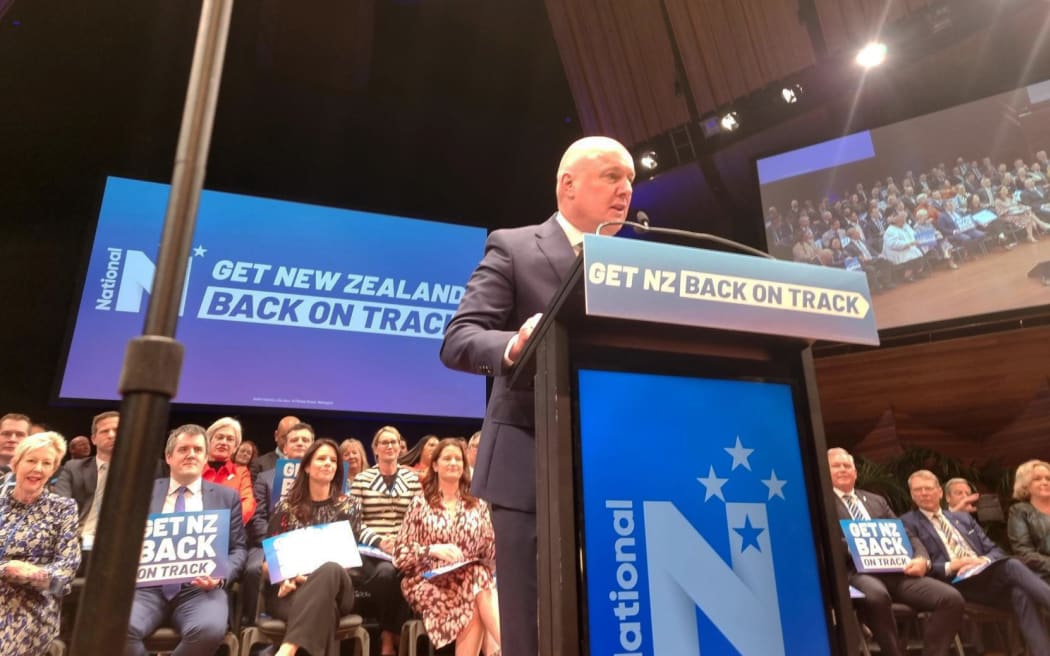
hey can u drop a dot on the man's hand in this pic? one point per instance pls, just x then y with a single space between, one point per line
518 342
288 586
206 582
960 566
916 567
966 504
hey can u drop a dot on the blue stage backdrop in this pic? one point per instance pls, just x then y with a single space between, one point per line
286 305
696 524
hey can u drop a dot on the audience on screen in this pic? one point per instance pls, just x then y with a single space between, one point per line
39 550
935 220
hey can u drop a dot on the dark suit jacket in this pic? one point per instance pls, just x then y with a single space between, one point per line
878 509
521 270
967 526
215 497
264 462
77 480
259 527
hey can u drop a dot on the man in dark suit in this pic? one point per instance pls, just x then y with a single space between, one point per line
269 460
521 270
84 480
959 547
910 587
1033 197
197 610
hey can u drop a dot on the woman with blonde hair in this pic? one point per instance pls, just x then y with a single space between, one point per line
1029 522
353 454
39 548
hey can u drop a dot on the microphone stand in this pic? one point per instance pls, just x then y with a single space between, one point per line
642 227
152 364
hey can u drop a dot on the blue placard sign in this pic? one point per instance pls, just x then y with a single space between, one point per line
705 544
646 281
877 545
179 547
284 476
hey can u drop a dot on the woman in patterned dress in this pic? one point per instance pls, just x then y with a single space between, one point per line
447 525
39 550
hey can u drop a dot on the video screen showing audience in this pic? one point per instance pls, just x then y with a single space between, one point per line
947 214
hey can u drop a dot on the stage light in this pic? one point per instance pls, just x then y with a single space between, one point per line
649 160
872 54
791 93
730 121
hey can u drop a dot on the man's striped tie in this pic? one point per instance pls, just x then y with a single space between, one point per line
957 547
853 506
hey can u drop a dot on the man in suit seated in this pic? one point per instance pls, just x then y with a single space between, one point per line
910 587
296 439
84 480
1033 197
197 610
959 547
959 495
878 270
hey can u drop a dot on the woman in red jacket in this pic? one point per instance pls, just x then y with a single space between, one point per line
224 436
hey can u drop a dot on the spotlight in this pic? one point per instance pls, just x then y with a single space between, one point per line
730 121
872 54
791 93
649 160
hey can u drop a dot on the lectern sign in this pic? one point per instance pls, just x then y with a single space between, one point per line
697 531
648 281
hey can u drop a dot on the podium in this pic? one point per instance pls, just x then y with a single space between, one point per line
683 495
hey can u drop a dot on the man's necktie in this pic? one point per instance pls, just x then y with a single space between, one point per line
180 506
91 520
853 506
957 547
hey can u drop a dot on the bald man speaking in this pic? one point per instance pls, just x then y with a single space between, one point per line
521 270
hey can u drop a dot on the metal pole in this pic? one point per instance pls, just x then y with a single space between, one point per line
152 363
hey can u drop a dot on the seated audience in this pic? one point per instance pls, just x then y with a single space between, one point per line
385 491
911 586
197 610
84 480
959 496
472 451
295 440
838 254
269 460
420 456
14 427
1016 214
961 553
247 453
941 248
876 268
353 454
224 438
900 247
806 250
312 604
39 551
79 448
446 525
1029 522
1036 200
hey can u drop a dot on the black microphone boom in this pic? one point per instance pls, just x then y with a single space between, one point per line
643 223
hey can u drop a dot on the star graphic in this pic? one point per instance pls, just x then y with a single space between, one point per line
749 535
740 455
713 484
199 251
775 485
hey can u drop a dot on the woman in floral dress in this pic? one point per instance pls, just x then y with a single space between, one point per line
444 526
39 550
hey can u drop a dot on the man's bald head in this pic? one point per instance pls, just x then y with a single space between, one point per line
594 183
283 427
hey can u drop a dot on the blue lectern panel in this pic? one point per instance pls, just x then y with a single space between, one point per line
697 531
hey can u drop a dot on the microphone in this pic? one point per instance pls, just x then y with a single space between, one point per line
642 224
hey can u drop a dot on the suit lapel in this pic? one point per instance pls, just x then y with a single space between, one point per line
160 490
554 245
